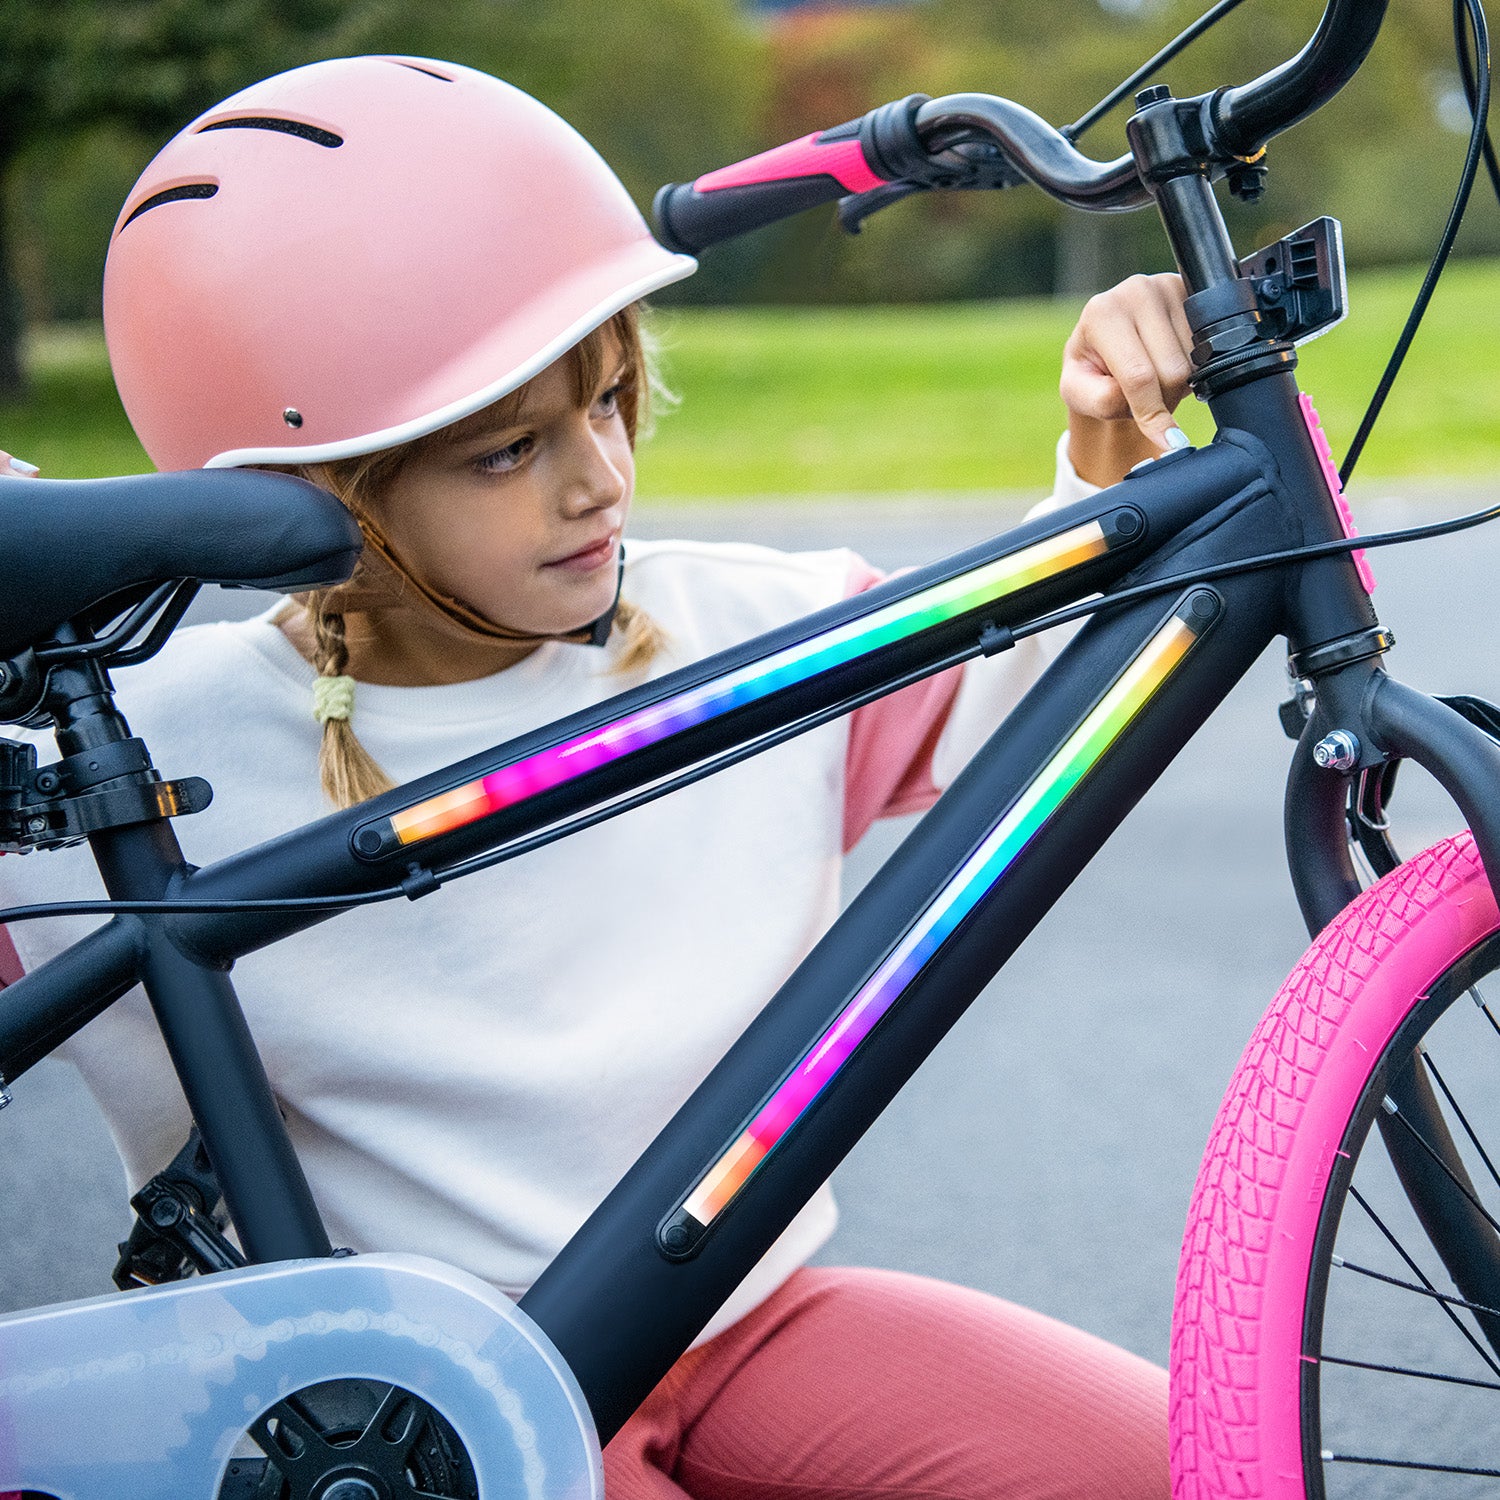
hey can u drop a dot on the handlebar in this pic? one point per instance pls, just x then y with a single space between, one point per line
1245 118
921 143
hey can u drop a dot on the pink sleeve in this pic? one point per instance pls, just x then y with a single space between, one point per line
891 741
10 960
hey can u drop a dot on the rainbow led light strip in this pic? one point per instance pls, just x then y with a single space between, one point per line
551 767
989 862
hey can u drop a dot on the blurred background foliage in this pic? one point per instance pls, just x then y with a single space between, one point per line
670 88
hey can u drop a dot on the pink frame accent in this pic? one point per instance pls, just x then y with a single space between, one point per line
1335 488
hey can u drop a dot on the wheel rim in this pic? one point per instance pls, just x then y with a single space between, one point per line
1401 1371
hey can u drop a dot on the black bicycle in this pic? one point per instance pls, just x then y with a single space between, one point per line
293 1371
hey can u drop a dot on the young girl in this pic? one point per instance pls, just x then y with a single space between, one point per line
417 286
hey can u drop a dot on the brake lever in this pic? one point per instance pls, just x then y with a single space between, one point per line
969 162
855 208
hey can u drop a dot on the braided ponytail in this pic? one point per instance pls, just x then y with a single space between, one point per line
347 771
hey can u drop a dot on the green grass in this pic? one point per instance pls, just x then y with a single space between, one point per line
838 400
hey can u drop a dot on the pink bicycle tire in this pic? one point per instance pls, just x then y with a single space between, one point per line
1242 1285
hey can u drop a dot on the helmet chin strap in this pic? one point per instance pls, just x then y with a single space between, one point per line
382 581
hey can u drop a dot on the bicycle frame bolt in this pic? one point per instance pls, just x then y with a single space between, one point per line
36 825
1153 95
1338 751
292 417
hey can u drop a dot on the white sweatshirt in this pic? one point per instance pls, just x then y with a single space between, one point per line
466 1077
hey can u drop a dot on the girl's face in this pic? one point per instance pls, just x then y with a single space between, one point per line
520 516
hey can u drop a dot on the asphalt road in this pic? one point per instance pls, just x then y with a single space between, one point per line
1047 1150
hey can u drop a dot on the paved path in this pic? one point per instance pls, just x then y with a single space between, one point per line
1047 1149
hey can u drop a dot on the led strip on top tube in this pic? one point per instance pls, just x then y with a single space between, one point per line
551 767
1083 750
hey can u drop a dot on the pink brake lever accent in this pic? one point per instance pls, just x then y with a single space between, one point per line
1335 488
844 161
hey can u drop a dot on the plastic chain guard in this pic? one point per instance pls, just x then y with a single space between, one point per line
144 1395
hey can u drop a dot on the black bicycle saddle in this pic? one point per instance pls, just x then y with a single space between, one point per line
67 544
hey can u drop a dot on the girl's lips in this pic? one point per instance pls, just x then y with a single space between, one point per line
586 559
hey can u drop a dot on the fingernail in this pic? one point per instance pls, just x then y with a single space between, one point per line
22 467
1176 439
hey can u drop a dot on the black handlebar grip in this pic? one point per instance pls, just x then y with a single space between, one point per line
819 168
688 220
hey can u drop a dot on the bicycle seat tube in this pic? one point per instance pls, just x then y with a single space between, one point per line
221 1073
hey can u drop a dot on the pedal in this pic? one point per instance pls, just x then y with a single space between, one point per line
179 1226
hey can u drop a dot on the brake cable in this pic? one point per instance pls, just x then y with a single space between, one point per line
1103 602
1152 65
1478 142
1476 83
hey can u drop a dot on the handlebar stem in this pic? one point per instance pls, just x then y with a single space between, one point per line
1169 147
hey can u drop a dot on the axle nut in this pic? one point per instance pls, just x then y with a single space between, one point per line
1338 751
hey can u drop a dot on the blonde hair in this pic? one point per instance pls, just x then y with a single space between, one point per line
348 772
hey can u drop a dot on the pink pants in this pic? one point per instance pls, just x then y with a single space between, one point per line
856 1383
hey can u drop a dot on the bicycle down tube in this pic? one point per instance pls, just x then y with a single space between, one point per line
629 1293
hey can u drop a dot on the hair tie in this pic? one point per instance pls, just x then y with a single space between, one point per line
333 698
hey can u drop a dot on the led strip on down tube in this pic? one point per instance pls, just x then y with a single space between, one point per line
789 667
682 1231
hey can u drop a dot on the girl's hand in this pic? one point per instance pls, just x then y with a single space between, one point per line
1125 368
16 468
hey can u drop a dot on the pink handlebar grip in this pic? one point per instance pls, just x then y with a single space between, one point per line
842 160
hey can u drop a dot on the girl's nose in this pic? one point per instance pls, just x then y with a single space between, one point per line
599 472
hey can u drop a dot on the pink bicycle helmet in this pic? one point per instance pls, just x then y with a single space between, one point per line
356 253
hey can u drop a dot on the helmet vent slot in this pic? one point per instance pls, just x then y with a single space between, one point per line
173 195
274 122
430 72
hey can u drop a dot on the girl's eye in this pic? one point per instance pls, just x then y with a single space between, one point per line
502 460
609 403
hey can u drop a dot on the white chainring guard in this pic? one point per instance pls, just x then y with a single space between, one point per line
144 1395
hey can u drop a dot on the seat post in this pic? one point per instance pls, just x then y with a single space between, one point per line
221 1072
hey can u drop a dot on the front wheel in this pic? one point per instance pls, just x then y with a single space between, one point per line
1337 1322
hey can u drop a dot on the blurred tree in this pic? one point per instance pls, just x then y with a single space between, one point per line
1382 157
89 89
145 66
668 89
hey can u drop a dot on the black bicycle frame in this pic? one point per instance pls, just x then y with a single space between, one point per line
642 1277
723 1179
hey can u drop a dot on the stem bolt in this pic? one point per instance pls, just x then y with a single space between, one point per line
1338 751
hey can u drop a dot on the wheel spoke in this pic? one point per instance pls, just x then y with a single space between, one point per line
1463 1119
1361 1364
1418 1272
1489 1015
1393 1109
1406 1463
1411 1286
